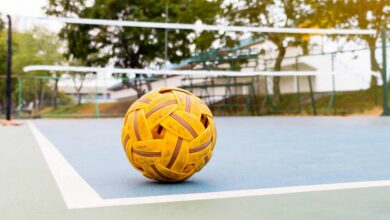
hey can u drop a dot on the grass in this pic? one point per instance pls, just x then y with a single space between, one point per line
345 103
360 102
89 110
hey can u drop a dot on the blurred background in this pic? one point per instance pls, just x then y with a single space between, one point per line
343 74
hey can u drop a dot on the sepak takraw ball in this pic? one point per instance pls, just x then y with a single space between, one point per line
168 134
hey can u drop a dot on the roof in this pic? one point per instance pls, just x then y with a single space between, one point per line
221 53
224 53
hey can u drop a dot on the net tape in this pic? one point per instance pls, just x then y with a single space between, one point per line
205 73
204 27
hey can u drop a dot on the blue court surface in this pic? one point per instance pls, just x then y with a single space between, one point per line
252 153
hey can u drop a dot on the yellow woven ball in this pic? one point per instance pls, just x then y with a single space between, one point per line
168 134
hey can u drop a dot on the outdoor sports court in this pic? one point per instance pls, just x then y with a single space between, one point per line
262 168
274 110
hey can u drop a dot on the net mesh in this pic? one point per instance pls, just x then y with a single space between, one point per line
236 82
337 83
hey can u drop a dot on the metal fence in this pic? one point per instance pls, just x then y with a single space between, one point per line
323 93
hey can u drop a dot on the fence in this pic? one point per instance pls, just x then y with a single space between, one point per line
340 83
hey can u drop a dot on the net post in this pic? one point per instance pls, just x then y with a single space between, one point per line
166 40
36 95
9 64
332 99
384 74
20 95
313 100
267 103
298 85
97 111
376 94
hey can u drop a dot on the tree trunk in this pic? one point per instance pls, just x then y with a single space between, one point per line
138 89
42 99
55 94
79 97
148 84
276 79
41 94
374 63
78 88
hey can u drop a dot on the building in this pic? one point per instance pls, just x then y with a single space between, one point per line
352 68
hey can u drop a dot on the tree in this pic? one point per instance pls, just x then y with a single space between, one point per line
133 47
356 14
271 13
78 82
3 58
35 46
2 24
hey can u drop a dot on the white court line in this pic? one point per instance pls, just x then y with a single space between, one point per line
78 193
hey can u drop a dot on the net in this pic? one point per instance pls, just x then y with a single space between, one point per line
336 83
242 80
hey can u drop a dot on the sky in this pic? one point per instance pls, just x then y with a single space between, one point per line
28 8
22 7
32 8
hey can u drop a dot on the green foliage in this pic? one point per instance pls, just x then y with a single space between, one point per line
271 13
363 14
133 47
2 24
357 14
33 47
3 58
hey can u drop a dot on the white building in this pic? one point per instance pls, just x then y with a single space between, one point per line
352 70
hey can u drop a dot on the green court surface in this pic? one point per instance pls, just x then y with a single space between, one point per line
29 191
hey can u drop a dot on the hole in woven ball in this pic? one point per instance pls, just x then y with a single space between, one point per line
188 168
140 168
162 91
204 121
158 132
